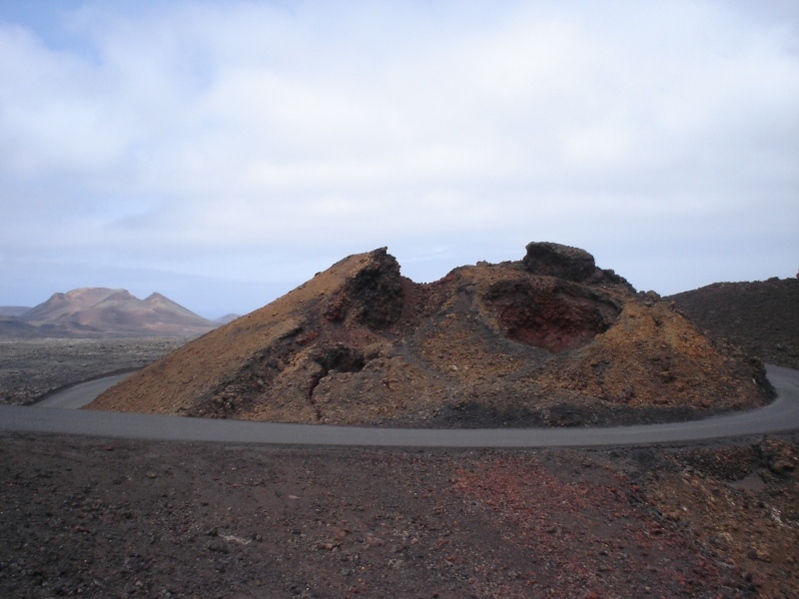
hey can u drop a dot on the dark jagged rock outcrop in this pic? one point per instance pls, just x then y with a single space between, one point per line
561 261
549 340
571 264
373 296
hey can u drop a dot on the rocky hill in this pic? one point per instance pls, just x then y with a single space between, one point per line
548 340
762 317
98 311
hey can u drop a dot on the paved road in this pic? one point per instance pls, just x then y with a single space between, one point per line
79 395
780 416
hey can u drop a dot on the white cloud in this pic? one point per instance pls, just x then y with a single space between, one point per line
181 132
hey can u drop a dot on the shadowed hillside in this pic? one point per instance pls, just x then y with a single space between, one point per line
762 317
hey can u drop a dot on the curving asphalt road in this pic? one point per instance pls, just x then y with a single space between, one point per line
79 395
780 416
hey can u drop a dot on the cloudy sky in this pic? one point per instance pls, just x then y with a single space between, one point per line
222 152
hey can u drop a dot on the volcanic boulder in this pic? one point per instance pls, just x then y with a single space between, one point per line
561 261
548 340
571 264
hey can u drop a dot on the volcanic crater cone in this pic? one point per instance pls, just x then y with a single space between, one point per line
103 312
548 340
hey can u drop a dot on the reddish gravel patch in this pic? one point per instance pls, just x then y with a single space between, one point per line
99 518
586 531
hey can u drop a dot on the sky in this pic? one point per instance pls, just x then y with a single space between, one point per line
222 152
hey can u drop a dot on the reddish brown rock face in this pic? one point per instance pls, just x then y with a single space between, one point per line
551 315
550 340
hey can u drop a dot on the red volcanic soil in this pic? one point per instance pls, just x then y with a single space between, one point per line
548 340
102 518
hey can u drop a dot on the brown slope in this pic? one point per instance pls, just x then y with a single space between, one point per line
551 339
760 316
202 369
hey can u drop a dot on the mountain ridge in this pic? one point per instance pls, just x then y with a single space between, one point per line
102 311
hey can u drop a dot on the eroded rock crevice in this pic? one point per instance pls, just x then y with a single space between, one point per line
338 358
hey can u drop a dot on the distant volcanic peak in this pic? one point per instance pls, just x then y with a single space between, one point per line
227 318
160 303
60 305
157 300
118 296
156 297
89 296
115 311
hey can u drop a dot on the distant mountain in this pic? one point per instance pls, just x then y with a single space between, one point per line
13 310
98 311
227 318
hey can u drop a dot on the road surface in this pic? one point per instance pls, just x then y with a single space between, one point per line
79 395
780 416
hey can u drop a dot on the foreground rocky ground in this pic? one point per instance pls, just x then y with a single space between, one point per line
31 368
110 518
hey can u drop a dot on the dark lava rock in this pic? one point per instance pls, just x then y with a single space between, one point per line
562 261
570 264
762 317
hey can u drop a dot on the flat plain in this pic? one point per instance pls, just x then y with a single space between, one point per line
31 368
